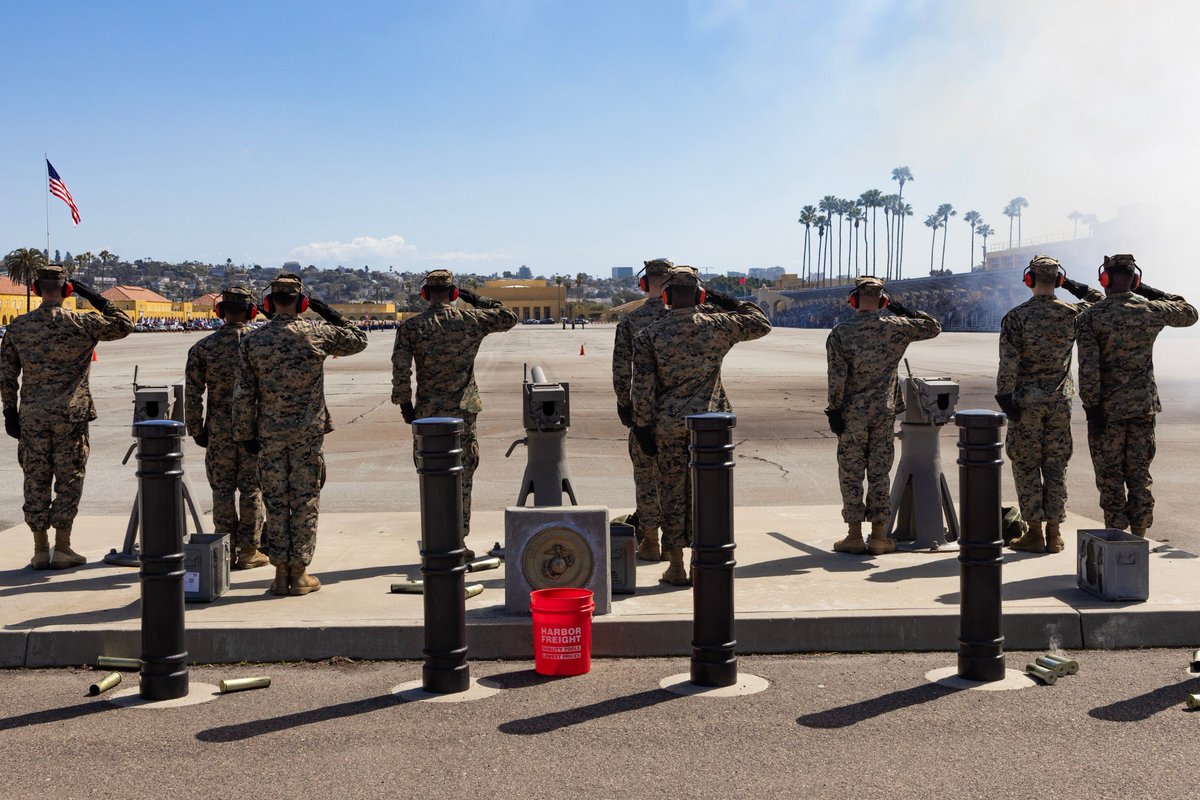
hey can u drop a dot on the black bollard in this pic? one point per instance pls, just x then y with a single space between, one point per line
164 672
980 545
439 464
713 660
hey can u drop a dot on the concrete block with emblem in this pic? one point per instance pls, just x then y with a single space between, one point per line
556 547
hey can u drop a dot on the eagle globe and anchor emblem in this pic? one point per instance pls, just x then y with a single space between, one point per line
556 558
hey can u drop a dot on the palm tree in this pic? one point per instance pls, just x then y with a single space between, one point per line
821 246
945 211
902 175
808 218
1075 216
829 206
22 266
855 214
985 231
889 206
972 218
872 199
1017 203
1010 211
1091 220
901 211
933 222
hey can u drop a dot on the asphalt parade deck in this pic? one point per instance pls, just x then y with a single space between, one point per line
792 595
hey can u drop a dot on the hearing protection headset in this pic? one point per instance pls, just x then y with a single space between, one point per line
643 283
1105 281
1061 278
701 294
853 300
269 304
67 288
453 292
251 310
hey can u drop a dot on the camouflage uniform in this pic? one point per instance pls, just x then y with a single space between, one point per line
1116 384
212 366
863 354
443 341
50 351
1036 339
677 372
279 400
645 479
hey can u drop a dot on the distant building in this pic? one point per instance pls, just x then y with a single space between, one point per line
766 273
141 303
290 266
12 301
531 299
524 273
735 274
1082 254
622 272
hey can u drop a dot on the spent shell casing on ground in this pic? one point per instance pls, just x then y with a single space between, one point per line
1196 660
115 662
104 684
480 564
1041 673
412 587
474 589
1193 701
242 684
1071 664
1059 668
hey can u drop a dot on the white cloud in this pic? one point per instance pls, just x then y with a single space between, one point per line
394 250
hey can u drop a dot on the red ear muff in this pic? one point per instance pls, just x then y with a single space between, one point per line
425 293
701 296
884 300
220 309
68 287
1027 278
643 284
269 304
666 300
1137 279
853 300
36 288
453 293
1103 278
302 304
252 312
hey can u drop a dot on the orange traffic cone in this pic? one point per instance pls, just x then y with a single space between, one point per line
94 357
581 351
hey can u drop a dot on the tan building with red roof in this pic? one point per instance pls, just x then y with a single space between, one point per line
141 303
12 300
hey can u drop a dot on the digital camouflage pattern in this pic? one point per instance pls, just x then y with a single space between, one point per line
1036 340
863 354
645 475
442 342
46 357
1116 374
279 400
232 472
677 372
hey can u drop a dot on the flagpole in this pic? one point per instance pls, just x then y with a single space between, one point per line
46 185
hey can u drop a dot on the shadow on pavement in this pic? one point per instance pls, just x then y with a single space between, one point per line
131 610
25 580
815 558
261 727
1057 587
1144 706
557 720
519 679
55 715
845 716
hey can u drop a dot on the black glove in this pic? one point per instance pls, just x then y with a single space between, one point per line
322 309
1150 293
898 308
263 310
626 415
1080 290
98 301
1095 421
252 446
201 439
645 439
721 300
469 296
837 423
1009 407
407 411
12 423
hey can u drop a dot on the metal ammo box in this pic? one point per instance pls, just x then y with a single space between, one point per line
206 567
1113 564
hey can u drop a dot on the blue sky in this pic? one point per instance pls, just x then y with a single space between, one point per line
576 137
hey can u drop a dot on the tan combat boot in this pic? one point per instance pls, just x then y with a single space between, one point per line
302 582
250 557
63 556
649 549
1031 541
881 543
676 575
853 543
1138 531
280 584
41 550
1054 542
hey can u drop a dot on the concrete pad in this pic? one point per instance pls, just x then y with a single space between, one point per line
413 692
681 684
948 676
197 693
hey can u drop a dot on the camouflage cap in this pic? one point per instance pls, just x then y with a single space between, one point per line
1121 262
868 284
658 266
683 276
52 272
237 294
287 283
1045 265
439 278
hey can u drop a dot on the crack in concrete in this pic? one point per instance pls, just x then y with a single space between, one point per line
782 468
368 411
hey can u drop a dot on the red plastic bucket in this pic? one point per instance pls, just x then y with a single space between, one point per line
562 631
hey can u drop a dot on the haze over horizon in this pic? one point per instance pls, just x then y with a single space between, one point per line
486 135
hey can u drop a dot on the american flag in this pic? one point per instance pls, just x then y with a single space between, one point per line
59 190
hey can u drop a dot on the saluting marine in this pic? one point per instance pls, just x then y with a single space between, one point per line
677 372
1034 390
1116 384
212 365
442 341
645 478
279 414
863 354
48 351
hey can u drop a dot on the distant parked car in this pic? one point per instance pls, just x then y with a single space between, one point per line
547 321
3 330
530 321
